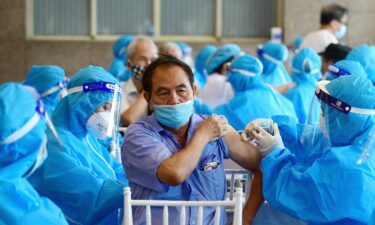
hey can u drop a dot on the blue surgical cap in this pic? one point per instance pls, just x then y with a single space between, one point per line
298 41
351 67
365 55
274 50
306 66
244 73
357 91
43 78
119 48
17 107
222 55
185 48
74 110
202 57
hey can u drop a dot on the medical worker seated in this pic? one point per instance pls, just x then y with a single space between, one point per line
50 83
22 151
306 66
81 177
118 65
273 55
253 98
335 189
217 90
175 154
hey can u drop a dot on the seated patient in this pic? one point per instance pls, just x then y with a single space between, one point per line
175 154
80 176
22 151
334 189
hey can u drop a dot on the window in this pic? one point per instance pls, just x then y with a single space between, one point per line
188 20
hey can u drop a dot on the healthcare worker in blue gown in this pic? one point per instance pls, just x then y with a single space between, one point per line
253 98
365 55
117 67
82 178
273 55
22 150
335 189
306 66
200 73
50 83
306 140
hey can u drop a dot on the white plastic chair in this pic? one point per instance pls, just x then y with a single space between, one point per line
237 203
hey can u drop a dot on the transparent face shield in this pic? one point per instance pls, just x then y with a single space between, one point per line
317 128
104 122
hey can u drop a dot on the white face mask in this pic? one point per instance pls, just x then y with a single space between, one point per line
42 155
323 126
97 124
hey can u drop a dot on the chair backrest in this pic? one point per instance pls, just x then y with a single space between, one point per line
237 178
237 203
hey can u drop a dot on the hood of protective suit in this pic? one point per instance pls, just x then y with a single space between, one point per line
278 53
237 76
345 129
365 55
306 66
119 48
202 57
221 55
17 107
43 78
73 111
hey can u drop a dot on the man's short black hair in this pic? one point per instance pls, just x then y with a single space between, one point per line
332 12
335 52
164 61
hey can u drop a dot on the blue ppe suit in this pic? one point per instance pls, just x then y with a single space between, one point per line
82 178
220 56
253 98
365 55
272 55
118 64
201 108
20 202
305 73
349 67
43 78
200 74
334 189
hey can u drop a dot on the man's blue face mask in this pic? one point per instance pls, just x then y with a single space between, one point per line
174 116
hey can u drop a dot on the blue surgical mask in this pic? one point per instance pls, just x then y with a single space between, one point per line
174 116
341 33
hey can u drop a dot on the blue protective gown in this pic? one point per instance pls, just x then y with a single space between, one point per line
261 101
275 74
200 73
334 189
201 108
20 203
82 178
302 95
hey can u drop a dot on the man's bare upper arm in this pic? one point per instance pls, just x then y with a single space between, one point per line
241 152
